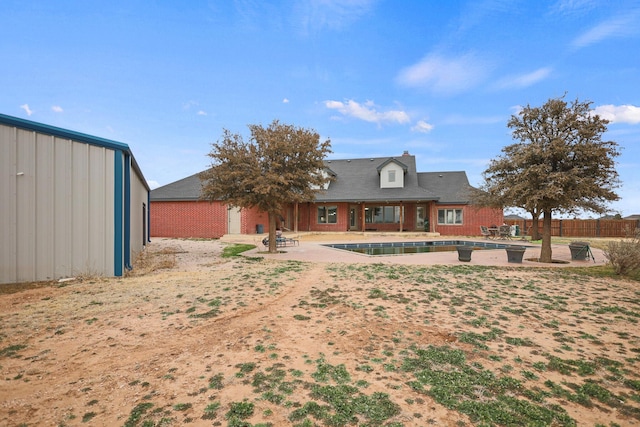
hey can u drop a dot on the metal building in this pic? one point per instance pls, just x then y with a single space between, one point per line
70 204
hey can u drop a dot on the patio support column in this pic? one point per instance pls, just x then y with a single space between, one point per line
401 216
362 217
295 217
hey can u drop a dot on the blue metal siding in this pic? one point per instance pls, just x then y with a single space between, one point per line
127 211
118 198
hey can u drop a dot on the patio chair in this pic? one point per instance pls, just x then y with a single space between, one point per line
504 232
484 230
282 242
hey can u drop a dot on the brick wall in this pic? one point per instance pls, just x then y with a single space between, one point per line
251 218
472 219
308 217
188 219
202 219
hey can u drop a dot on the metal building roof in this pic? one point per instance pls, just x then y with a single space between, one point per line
74 136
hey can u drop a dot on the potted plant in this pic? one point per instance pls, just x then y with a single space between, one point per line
579 250
515 253
464 253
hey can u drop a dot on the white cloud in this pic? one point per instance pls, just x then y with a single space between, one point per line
445 75
524 80
26 109
422 127
367 112
573 6
57 109
619 114
153 184
202 113
315 15
621 26
285 101
187 105
515 109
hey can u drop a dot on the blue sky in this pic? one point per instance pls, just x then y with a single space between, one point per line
439 79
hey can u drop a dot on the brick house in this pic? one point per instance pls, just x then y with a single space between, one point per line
371 194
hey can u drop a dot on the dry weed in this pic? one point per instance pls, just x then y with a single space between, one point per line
148 261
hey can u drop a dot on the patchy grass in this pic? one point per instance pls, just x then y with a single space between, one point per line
233 250
380 345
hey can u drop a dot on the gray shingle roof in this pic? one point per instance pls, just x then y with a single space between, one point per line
451 187
188 188
357 180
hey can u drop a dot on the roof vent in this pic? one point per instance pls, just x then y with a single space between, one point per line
328 161
348 160
440 176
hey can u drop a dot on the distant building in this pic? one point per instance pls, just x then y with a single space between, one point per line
371 194
72 203
513 217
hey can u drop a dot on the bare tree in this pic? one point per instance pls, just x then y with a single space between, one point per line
280 164
560 164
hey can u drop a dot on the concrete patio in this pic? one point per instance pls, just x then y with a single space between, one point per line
311 248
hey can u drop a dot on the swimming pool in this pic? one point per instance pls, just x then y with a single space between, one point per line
403 248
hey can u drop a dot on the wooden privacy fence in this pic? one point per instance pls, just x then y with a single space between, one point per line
581 227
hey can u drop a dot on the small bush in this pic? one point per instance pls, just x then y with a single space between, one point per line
624 255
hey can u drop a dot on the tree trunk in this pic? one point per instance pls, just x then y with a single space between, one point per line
273 248
545 251
535 235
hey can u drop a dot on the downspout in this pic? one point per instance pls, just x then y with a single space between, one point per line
117 212
127 211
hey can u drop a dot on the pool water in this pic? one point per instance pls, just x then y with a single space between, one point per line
404 248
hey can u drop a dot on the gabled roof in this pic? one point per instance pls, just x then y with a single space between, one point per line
357 180
392 160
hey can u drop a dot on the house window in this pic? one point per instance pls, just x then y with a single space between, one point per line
327 214
382 214
449 216
392 176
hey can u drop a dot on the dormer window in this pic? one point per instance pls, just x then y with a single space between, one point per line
392 174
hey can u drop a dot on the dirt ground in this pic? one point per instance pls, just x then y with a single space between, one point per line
184 343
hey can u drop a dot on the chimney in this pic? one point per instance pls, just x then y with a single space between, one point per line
406 153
